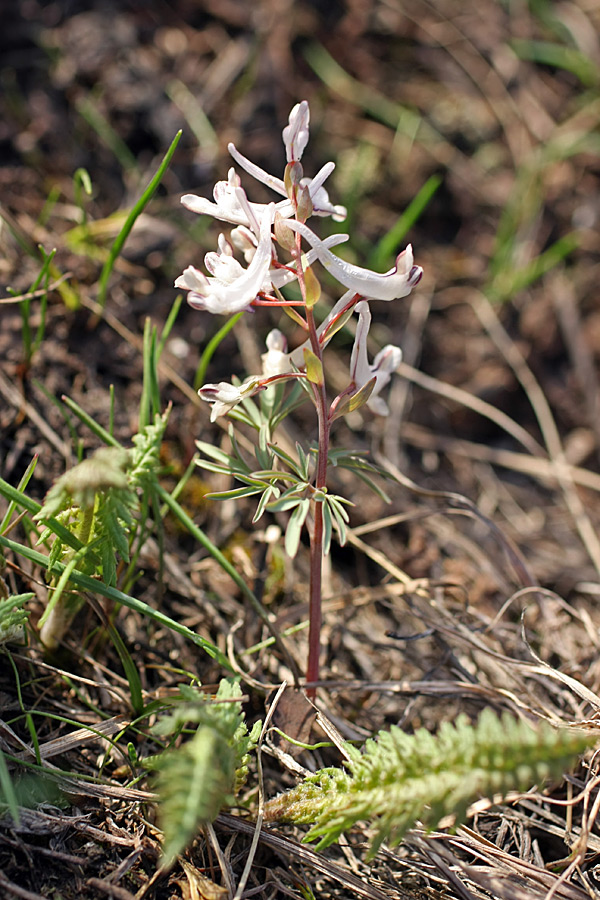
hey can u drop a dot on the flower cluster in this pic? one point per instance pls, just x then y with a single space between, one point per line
259 231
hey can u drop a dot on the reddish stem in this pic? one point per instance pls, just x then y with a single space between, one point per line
316 535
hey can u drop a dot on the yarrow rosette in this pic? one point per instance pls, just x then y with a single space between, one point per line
261 231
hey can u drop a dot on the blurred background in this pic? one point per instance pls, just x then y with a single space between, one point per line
469 129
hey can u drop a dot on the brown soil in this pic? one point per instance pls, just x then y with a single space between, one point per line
498 402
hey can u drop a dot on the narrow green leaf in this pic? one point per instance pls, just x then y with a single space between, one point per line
131 219
312 287
234 494
314 367
294 528
289 460
327 529
266 497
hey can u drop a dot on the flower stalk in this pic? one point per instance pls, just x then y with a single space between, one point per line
261 233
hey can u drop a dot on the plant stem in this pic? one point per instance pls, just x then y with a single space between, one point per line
316 535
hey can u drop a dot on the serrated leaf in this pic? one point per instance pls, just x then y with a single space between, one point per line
198 778
401 778
13 617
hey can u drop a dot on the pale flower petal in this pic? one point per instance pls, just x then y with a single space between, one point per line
319 196
276 184
385 363
392 285
295 134
281 277
192 279
244 240
227 206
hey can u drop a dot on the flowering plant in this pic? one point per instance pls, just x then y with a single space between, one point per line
261 234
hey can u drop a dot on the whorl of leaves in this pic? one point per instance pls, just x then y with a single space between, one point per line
97 491
105 470
400 779
196 780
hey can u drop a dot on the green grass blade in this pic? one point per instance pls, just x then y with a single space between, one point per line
247 592
89 111
97 587
508 283
130 669
174 312
22 501
20 488
387 246
105 436
211 347
131 218
150 399
558 56
7 791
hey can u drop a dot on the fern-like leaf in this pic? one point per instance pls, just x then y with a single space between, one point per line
145 453
13 617
200 777
194 783
400 779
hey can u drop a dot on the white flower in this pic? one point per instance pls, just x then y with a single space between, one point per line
231 204
276 360
385 363
392 285
225 396
231 288
295 134
318 194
